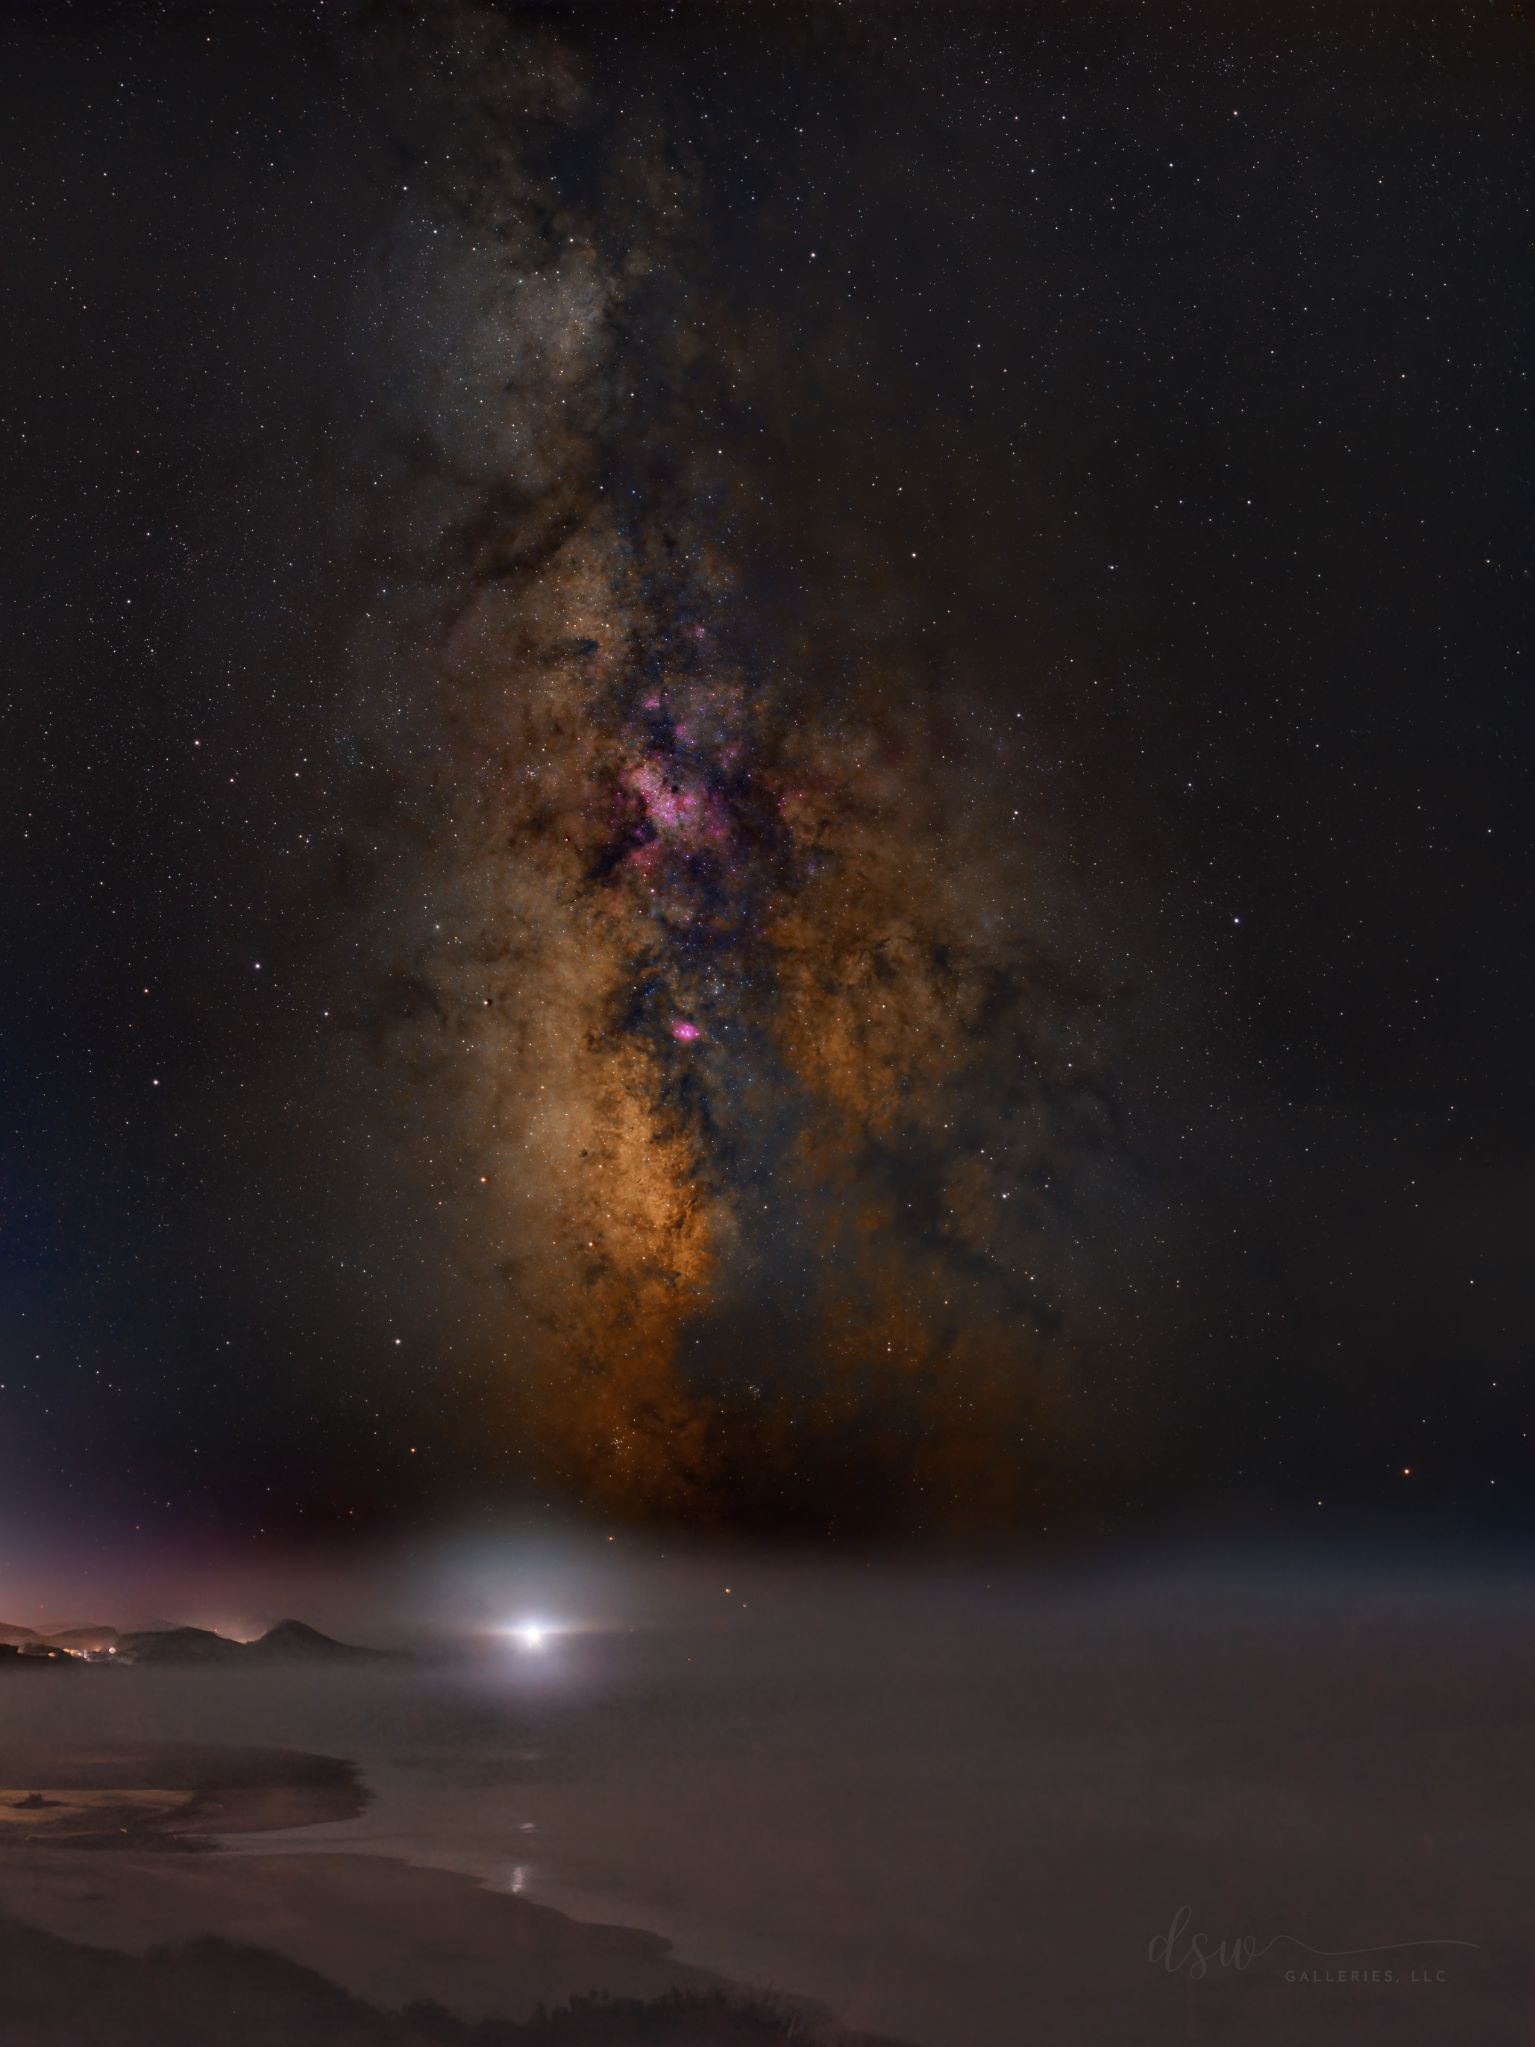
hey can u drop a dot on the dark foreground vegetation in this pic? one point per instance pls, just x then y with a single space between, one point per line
61 1993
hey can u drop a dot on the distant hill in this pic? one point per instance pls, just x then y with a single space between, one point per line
84 1638
296 1638
181 1645
289 1642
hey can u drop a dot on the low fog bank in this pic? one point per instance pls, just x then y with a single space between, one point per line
917 1793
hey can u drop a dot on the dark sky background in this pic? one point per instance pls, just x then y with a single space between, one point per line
765 766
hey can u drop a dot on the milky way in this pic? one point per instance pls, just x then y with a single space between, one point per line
765 1039
764 766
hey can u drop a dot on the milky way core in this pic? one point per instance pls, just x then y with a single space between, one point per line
752 1012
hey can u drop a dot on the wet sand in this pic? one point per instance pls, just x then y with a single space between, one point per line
166 1795
382 1929
119 1857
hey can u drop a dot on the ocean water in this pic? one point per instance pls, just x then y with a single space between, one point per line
1262 1809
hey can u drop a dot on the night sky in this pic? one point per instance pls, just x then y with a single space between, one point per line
766 767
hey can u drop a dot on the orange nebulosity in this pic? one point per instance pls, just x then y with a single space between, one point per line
576 847
880 959
704 984
707 926
865 1021
946 1400
608 1399
848 981
597 1221
885 984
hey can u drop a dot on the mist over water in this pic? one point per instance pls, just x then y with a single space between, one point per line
917 1794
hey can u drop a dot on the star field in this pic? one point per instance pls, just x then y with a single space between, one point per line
768 767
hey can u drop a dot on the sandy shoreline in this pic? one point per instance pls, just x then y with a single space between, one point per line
383 1929
161 1795
118 1856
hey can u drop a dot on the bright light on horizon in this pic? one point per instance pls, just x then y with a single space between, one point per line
530 1634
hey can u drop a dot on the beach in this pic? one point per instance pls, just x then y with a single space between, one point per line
965 1822
116 1849
383 1930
